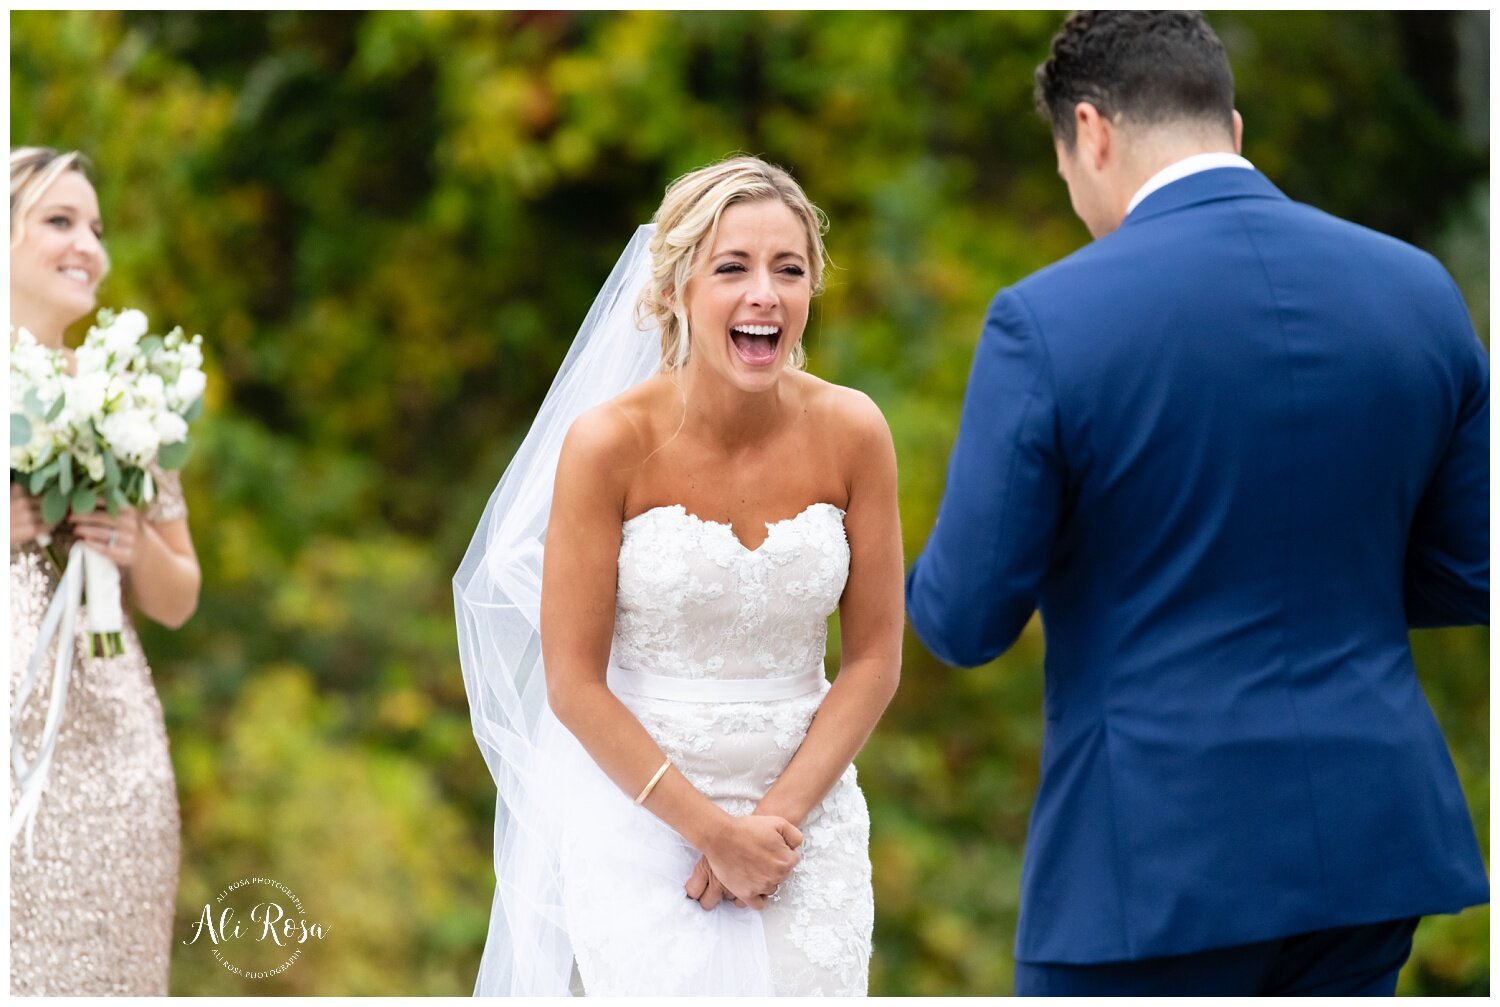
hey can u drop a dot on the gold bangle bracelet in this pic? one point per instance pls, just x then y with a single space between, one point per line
654 781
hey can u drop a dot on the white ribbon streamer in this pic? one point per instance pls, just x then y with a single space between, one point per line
101 585
61 617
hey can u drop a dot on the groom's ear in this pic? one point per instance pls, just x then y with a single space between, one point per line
1239 131
1093 135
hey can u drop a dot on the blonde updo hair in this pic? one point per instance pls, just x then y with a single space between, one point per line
32 171
688 220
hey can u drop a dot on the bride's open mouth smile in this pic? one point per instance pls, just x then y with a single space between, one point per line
756 344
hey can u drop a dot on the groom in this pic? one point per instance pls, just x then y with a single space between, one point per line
1232 449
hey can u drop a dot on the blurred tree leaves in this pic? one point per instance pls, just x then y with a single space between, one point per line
388 226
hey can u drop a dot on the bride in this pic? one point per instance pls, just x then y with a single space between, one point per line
679 812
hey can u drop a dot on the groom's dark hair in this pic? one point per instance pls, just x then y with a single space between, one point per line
1145 67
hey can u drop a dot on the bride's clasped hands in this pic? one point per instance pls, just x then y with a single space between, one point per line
749 862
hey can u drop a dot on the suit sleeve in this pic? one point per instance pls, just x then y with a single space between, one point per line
973 588
1447 576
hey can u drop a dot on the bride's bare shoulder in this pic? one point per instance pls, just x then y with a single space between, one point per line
852 437
622 432
847 413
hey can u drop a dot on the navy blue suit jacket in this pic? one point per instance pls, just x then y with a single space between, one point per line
1232 450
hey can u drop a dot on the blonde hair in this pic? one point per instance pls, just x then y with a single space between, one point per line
688 220
32 172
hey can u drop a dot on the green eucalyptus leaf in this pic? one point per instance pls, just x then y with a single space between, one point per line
173 456
20 430
33 402
54 505
65 472
57 408
117 499
150 344
84 500
194 411
42 476
111 469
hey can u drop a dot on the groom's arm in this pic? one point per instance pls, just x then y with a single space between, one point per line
1447 577
974 587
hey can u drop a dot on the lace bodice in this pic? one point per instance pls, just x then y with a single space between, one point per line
715 620
694 602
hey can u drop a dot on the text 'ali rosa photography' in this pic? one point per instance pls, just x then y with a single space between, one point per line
256 928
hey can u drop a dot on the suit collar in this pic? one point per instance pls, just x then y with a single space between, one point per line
1204 187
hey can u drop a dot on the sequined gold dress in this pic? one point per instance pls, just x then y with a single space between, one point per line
92 912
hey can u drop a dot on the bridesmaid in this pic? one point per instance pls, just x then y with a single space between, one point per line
91 910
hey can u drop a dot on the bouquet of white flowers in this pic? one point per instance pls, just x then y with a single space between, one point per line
82 440
87 439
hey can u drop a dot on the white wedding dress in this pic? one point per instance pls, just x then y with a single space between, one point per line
718 650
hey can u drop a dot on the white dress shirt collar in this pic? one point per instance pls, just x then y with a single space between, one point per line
1182 169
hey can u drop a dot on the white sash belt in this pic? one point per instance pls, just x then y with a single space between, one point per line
629 682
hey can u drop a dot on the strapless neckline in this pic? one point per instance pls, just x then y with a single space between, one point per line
728 526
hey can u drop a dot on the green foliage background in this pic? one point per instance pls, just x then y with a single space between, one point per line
388 226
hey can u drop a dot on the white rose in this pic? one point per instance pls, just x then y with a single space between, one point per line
129 324
131 435
91 358
191 354
150 392
188 389
25 345
170 427
86 395
23 354
32 364
124 334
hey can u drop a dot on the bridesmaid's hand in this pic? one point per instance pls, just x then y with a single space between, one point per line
113 537
25 517
754 855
